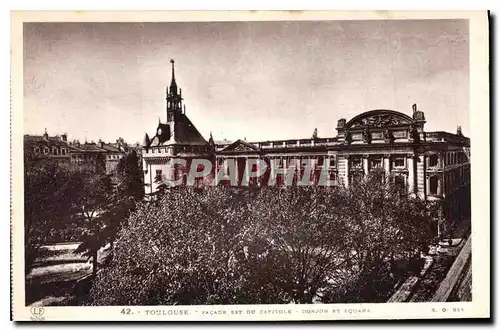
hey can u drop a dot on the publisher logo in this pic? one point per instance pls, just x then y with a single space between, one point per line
37 313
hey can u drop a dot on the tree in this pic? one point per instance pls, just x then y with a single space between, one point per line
389 230
48 197
129 191
169 252
92 201
130 177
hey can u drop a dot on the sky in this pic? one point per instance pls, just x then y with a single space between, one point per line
242 80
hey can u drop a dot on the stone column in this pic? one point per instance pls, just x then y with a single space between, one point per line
346 176
427 184
440 186
246 171
387 166
365 165
411 173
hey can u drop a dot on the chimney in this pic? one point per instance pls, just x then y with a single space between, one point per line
414 107
64 137
459 131
101 143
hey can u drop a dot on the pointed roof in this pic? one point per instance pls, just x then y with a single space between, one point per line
173 84
146 141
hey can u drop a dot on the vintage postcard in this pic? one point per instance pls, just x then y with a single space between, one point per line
250 166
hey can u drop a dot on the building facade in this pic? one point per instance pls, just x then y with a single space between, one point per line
53 148
431 165
98 157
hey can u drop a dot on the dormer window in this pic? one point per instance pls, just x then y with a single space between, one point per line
54 151
37 150
46 151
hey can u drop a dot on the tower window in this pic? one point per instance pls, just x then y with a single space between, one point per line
158 176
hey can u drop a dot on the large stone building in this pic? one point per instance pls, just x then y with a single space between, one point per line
99 157
46 147
430 165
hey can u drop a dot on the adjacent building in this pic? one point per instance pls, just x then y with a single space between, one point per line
431 165
54 148
98 157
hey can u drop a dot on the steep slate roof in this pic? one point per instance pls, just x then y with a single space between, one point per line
53 141
183 133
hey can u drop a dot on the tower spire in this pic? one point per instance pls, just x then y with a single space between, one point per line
173 84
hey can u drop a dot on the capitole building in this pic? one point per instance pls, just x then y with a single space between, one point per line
431 165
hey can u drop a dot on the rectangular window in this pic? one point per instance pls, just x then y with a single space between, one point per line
375 163
433 160
399 162
433 185
158 176
356 163
331 161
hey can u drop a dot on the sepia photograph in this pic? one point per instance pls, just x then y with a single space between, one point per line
297 166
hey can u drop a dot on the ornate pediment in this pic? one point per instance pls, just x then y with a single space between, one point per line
240 146
379 119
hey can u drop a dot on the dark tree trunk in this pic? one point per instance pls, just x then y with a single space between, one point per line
94 262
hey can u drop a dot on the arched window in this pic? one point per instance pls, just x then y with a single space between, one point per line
46 150
54 151
63 151
37 150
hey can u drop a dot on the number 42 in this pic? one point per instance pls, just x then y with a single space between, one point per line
125 311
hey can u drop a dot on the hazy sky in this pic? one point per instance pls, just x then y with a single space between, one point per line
254 80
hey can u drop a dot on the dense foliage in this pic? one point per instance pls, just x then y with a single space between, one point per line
223 245
63 203
47 205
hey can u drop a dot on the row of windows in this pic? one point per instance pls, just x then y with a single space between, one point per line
183 149
457 157
316 161
280 178
451 158
374 163
46 151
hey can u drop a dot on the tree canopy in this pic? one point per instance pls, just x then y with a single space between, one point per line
223 245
